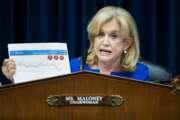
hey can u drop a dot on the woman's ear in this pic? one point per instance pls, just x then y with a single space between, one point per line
128 41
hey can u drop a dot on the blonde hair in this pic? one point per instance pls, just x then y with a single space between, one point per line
128 29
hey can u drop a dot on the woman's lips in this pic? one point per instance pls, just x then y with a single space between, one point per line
105 52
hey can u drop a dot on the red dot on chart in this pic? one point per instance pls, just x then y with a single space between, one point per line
61 57
55 57
50 57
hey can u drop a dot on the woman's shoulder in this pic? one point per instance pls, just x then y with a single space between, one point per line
141 72
75 60
75 64
141 67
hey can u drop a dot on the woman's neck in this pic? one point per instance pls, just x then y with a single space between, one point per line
108 67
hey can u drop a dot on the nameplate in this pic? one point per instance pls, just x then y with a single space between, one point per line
58 100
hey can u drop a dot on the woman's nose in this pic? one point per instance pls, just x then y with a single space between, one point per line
105 41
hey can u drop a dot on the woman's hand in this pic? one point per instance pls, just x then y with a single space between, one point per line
9 68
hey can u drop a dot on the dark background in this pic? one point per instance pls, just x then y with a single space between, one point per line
24 21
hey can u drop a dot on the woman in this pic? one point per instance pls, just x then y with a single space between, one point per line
114 46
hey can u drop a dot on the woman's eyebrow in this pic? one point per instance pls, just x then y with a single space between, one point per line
115 31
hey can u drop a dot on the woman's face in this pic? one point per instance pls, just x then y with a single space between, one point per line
109 45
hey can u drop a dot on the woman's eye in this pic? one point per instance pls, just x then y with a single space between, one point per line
101 34
114 36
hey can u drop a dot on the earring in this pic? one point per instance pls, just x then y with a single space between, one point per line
125 51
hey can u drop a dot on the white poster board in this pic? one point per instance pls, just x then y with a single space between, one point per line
39 60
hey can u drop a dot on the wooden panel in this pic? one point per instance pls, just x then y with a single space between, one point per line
143 101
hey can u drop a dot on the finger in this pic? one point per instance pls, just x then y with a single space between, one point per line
9 76
11 60
12 72
4 66
10 64
5 62
11 67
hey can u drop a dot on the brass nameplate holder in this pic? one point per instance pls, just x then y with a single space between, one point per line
58 100
176 84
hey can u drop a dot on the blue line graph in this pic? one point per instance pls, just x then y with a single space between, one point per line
39 65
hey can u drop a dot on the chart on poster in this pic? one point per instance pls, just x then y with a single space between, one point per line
36 61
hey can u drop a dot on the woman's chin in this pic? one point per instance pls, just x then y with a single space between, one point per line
104 59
